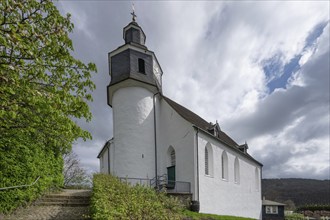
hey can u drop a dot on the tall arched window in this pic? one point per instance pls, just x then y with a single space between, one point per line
171 161
236 171
224 165
208 156
207 162
172 157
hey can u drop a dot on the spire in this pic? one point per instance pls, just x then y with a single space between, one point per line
133 33
133 13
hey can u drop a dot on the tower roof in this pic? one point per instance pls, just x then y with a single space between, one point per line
133 32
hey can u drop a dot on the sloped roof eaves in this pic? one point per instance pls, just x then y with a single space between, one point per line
203 125
198 121
103 148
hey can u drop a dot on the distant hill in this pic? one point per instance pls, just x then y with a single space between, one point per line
300 191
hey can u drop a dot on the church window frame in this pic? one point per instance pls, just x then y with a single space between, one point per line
171 156
208 160
224 166
141 66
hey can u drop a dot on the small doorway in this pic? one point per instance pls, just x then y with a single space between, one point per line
171 177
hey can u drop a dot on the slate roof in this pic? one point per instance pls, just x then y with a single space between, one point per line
268 202
199 122
205 126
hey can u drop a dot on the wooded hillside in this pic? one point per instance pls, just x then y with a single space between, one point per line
300 191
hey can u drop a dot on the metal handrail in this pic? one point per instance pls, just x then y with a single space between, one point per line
12 187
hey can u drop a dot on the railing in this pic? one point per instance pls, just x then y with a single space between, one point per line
178 187
162 183
13 187
134 181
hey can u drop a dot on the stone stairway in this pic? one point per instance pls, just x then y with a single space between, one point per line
64 205
70 198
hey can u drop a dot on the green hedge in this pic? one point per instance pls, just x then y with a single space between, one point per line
113 199
22 165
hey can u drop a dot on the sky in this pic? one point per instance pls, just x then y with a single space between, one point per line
259 68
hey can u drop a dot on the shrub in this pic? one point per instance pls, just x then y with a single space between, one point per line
113 199
294 216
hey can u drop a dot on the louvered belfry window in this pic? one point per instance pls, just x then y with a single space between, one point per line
141 65
206 162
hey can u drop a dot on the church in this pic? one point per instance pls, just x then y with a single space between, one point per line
158 142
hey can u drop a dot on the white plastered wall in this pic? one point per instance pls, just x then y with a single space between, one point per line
176 132
224 196
133 124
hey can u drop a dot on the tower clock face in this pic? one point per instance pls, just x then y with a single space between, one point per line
157 71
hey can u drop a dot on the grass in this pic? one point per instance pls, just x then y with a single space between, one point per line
201 216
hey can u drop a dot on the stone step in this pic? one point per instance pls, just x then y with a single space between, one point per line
69 204
66 198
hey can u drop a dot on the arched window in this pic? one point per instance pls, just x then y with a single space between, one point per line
172 156
171 161
207 162
141 65
236 171
257 179
208 156
224 165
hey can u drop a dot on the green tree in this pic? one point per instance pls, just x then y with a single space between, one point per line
43 89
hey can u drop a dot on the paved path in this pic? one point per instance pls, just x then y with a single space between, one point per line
35 212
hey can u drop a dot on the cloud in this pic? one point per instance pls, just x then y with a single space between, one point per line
213 55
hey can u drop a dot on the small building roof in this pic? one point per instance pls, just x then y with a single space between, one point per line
268 202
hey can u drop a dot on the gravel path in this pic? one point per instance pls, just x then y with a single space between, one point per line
35 212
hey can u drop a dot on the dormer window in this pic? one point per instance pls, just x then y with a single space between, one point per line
141 65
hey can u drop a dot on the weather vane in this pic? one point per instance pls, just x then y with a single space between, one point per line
133 13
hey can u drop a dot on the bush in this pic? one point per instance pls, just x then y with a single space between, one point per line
22 165
294 216
113 199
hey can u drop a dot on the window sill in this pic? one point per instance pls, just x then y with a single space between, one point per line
209 176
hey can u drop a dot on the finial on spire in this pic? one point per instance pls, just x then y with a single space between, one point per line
133 13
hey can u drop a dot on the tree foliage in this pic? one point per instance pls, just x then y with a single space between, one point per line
43 88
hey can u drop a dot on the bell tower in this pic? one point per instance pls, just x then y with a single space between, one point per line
136 78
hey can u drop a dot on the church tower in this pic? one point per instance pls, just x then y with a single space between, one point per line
136 79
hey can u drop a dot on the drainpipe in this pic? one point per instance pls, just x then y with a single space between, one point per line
197 165
155 132
109 157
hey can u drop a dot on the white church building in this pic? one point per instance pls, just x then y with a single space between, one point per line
156 139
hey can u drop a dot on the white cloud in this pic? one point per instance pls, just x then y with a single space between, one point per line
212 56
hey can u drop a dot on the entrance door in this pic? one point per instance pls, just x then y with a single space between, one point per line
171 177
